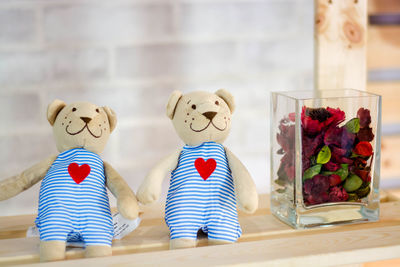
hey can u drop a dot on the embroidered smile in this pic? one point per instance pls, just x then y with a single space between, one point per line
81 130
209 123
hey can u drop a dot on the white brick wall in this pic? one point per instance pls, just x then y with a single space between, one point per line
130 55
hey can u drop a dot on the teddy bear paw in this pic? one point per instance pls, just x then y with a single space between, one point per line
145 197
128 208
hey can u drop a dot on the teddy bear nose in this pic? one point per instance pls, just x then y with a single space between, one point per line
210 115
86 119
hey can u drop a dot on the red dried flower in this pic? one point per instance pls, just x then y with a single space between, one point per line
333 136
316 189
316 119
292 117
338 151
364 116
365 134
332 167
311 144
338 194
341 159
363 174
334 179
290 172
286 137
311 126
337 117
364 149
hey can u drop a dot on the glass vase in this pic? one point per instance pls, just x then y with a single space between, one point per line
325 157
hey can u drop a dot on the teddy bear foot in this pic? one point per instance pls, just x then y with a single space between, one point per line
52 250
218 242
98 251
182 243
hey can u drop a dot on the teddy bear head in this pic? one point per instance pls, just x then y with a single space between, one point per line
81 125
201 116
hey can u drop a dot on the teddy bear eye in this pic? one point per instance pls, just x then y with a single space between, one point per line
73 109
97 110
193 106
216 103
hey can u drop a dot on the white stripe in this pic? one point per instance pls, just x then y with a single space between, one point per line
193 202
80 209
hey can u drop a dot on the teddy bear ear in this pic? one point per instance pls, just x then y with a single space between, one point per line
227 97
172 103
53 109
112 117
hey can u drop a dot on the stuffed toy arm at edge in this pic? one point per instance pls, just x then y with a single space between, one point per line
126 200
150 189
245 189
16 184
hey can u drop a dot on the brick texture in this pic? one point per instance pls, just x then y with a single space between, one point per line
17 26
106 23
52 65
130 55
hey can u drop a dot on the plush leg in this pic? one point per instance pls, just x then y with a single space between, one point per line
182 243
218 242
52 250
98 251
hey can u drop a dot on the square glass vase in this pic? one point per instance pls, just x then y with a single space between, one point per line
325 157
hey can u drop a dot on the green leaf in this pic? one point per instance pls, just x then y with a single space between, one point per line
363 191
280 182
353 125
353 182
281 190
352 197
343 172
324 155
312 171
354 155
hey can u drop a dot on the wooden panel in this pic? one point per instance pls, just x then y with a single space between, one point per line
390 92
265 239
387 263
340 44
390 158
326 249
383 47
383 6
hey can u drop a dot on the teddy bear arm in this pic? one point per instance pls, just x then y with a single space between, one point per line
126 199
245 188
150 189
16 184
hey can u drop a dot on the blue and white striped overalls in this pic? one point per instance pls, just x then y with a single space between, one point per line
73 201
201 195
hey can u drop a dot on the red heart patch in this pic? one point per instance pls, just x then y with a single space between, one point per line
78 173
205 168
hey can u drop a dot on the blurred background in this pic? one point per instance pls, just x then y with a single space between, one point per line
131 54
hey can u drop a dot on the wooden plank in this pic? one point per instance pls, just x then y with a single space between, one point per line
390 160
320 247
383 47
152 235
383 6
340 44
386 263
390 100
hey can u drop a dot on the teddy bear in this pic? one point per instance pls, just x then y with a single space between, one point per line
208 181
73 200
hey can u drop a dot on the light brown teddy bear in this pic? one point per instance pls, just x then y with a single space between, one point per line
206 178
73 201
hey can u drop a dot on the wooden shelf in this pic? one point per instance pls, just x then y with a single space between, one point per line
265 240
